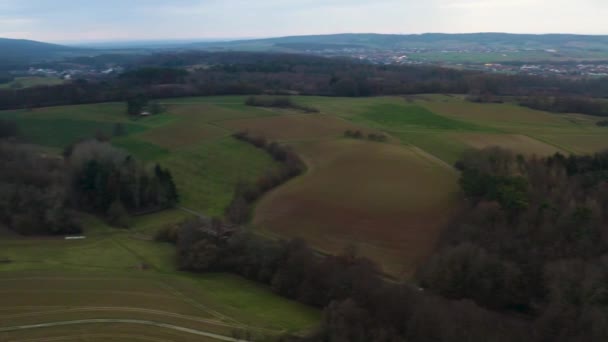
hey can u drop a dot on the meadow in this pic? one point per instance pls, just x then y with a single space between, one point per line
118 274
31 81
389 200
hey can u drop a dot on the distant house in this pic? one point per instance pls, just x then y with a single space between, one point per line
75 237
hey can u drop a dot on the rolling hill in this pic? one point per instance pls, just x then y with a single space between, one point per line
19 51
388 41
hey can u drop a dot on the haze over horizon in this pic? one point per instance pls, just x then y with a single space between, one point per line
65 21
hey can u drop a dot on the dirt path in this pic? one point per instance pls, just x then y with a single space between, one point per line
123 321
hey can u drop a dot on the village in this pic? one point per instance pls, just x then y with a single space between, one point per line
462 58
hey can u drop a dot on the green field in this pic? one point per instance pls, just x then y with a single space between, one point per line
28 82
390 200
54 280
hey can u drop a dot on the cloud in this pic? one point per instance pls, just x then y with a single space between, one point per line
487 4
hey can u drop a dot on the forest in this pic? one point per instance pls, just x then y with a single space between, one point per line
41 194
240 73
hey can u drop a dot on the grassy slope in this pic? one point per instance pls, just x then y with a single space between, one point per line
385 199
102 271
206 174
571 133
565 132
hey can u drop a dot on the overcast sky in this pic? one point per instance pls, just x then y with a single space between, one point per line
109 20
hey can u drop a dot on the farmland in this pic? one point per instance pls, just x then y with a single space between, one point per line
387 201
103 277
26 82
390 200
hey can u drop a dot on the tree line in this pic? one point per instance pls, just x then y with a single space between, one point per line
357 134
245 195
567 104
164 76
359 305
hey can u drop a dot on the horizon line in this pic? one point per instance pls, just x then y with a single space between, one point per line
232 39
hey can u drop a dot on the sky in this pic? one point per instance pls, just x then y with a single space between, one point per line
65 21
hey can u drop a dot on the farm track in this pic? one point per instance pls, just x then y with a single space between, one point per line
196 304
122 321
129 293
60 310
89 336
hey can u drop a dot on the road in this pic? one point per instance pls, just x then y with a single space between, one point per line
123 321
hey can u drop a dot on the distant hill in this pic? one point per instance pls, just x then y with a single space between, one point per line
564 45
18 51
426 39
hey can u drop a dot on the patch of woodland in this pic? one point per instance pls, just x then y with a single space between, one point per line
40 193
603 123
34 192
111 183
357 134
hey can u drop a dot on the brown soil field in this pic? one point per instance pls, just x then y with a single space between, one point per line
515 142
294 127
388 201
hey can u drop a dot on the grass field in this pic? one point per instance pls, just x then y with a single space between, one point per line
570 133
28 82
206 174
54 280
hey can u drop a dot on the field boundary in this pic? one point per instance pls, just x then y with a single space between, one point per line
431 158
